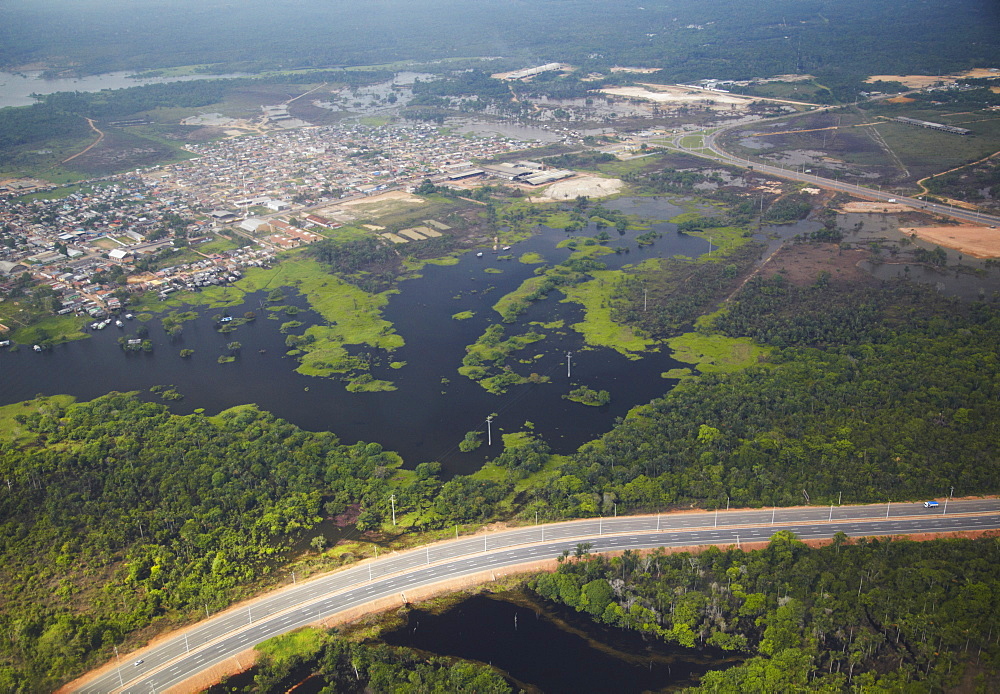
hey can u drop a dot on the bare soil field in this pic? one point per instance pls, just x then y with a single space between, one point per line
921 81
976 241
680 96
384 198
801 264
874 207
591 186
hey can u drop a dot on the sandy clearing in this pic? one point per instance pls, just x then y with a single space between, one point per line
977 241
591 186
873 207
677 95
921 81
383 198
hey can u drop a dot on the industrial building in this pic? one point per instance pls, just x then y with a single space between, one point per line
933 126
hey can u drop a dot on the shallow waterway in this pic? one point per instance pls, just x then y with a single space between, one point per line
425 418
553 649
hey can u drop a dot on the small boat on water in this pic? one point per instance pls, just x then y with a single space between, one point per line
128 316
37 348
506 248
119 324
479 255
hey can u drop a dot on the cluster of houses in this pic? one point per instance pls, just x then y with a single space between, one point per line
314 165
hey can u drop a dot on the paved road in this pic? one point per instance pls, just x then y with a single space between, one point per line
711 143
229 633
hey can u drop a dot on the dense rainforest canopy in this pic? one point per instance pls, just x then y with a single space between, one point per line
868 615
690 39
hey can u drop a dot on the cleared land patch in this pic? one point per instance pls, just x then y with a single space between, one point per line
977 241
590 186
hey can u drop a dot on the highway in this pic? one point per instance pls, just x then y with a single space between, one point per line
710 143
223 636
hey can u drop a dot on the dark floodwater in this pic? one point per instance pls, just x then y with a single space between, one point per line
423 420
555 649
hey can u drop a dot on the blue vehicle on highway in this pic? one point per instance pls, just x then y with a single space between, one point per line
931 504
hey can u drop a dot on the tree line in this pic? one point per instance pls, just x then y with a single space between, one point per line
876 615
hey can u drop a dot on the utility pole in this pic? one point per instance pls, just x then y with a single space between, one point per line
187 647
121 682
569 357
489 430
643 298
392 500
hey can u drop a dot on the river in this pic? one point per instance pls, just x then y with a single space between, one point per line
16 88
424 419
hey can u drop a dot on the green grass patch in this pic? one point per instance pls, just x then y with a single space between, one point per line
723 239
716 353
219 244
558 220
444 261
463 315
375 121
598 328
677 373
12 430
508 303
366 384
397 364
354 317
531 258
485 360
493 271
552 325
299 644
51 330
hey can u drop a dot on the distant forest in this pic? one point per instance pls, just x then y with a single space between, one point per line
689 39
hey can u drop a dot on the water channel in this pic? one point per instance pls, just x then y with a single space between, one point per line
546 647
425 418
541 648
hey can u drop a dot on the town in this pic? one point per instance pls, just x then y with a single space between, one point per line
94 247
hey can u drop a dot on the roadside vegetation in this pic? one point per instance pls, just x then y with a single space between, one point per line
870 615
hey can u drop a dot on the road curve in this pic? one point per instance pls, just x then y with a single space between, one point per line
710 141
221 637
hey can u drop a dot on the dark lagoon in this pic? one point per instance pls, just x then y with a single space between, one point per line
550 648
424 419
